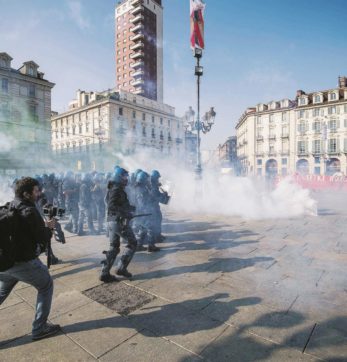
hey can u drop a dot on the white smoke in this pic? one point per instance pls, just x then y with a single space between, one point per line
225 194
6 192
6 142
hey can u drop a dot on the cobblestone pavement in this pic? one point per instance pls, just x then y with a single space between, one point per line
227 289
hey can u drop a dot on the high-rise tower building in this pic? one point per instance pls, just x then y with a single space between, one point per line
139 47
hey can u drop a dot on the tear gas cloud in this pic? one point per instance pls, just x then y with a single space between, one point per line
225 194
222 194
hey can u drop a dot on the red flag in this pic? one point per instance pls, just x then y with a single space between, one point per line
197 8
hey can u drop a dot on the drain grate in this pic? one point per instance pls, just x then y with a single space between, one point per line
119 297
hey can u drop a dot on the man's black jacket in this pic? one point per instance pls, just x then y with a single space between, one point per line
32 235
117 202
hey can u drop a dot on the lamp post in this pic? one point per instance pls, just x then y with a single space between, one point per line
204 126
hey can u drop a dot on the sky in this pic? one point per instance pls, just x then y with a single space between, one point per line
256 51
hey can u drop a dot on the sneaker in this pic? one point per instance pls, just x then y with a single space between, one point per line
124 273
152 248
48 330
108 278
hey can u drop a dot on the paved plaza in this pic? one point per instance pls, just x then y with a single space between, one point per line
222 289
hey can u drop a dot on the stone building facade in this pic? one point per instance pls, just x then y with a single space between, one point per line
307 135
101 125
25 111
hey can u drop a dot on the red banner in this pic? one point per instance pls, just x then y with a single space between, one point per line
197 24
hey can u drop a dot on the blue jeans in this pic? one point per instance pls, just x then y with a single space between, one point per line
35 273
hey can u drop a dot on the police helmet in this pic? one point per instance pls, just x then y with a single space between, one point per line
155 175
120 176
142 178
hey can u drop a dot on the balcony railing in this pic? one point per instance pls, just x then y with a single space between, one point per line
260 138
137 27
138 9
137 82
137 36
259 154
137 46
302 153
137 19
285 135
137 64
316 152
272 137
272 154
137 55
137 73
138 91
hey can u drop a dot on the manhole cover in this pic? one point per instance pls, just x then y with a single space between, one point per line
119 297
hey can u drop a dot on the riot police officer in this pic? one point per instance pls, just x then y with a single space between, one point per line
159 197
85 203
71 194
98 197
119 212
145 226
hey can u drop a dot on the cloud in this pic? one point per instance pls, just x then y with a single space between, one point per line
76 15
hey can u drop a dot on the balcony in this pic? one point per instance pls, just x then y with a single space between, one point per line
260 138
285 135
137 36
303 153
137 55
136 28
259 154
136 82
137 73
138 91
272 137
272 154
333 152
316 152
137 46
137 18
137 64
136 2
137 10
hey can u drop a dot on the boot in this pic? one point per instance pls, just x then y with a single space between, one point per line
124 273
140 248
108 278
152 248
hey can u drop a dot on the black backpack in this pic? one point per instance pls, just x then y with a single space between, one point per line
9 223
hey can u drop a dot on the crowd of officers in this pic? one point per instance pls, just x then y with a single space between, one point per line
128 205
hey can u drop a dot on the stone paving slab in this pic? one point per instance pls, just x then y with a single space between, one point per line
12 299
146 346
189 329
95 328
15 321
234 345
58 348
64 300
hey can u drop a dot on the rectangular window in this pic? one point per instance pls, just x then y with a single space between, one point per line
259 162
143 116
4 85
284 116
317 170
332 145
271 119
332 110
316 112
120 112
317 160
332 125
259 120
134 114
152 119
316 126
31 90
301 147
316 146
161 121
284 161
301 114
